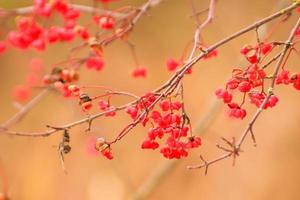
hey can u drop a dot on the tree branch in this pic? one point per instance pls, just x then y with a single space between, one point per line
237 146
173 81
24 110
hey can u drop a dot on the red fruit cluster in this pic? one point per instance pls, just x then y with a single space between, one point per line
105 106
61 79
224 95
145 104
29 33
236 111
167 122
285 77
249 82
106 22
42 8
95 62
32 34
252 54
257 99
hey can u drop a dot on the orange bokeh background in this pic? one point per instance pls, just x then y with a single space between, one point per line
269 171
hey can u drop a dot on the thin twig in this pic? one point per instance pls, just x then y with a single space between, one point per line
24 110
201 26
140 12
82 8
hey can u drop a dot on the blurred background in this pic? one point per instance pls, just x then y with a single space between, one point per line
32 168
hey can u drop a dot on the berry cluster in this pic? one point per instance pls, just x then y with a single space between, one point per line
61 79
170 122
105 106
286 78
30 33
250 81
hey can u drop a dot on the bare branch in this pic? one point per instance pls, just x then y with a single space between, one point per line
260 109
170 84
24 110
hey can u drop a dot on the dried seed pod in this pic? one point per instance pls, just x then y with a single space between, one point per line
66 149
100 144
84 98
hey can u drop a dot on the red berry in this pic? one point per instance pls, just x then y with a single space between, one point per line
245 49
244 86
283 77
233 83
172 64
2 46
224 94
39 44
72 14
96 63
295 79
105 21
86 106
52 35
251 56
272 101
266 48
132 111
107 153
155 115
165 105
193 142
103 104
139 72
74 89
236 112
21 93
176 105
150 144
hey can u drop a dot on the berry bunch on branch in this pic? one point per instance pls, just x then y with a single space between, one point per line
161 111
